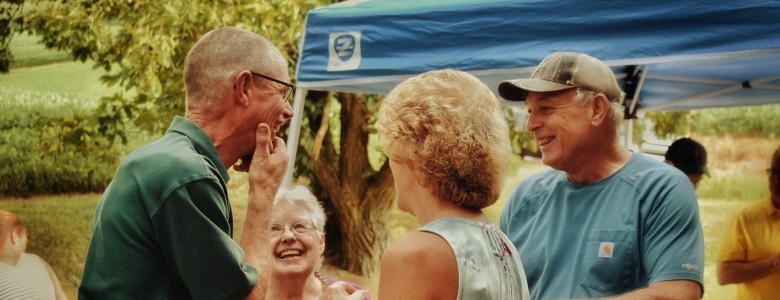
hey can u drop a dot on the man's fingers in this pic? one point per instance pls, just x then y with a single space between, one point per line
279 145
263 140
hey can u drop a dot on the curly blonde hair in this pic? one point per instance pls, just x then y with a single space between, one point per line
448 126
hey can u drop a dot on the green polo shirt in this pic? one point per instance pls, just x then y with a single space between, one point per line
163 228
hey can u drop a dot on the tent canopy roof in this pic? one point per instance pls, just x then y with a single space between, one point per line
679 55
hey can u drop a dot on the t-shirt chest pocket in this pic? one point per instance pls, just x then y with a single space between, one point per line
608 260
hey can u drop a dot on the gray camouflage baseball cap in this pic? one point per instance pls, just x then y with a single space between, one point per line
564 70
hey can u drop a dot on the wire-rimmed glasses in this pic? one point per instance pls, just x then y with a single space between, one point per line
289 85
299 227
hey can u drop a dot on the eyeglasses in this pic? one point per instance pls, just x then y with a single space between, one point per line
289 85
299 227
771 171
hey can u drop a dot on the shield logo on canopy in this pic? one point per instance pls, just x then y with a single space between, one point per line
344 51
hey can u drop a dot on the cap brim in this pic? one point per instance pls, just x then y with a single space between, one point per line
517 90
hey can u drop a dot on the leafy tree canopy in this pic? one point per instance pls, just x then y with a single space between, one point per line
142 45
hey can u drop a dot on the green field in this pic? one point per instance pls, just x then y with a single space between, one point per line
28 51
65 78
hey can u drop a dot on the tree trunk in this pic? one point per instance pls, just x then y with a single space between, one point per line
357 197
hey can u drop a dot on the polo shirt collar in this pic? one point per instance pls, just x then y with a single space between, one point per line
770 208
201 141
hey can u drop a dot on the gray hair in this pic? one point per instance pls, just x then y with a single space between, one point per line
301 196
218 56
616 110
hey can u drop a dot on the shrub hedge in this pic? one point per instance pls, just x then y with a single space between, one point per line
34 156
755 121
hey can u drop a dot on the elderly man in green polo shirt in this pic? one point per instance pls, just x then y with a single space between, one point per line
163 228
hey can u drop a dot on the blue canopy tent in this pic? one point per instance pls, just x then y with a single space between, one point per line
668 55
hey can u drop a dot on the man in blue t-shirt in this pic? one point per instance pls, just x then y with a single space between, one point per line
603 221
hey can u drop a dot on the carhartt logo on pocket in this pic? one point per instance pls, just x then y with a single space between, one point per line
606 249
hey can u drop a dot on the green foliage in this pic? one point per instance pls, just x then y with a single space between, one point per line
37 138
523 142
638 130
143 44
10 22
739 187
756 121
670 124
748 121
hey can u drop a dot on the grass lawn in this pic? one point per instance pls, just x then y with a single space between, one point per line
59 78
28 51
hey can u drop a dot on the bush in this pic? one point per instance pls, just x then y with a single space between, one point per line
756 121
34 152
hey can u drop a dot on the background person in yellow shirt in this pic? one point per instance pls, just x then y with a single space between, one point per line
750 252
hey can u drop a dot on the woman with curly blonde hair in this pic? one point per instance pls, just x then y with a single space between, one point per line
448 146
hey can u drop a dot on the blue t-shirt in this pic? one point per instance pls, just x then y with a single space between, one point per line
635 228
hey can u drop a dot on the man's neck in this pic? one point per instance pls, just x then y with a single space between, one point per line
218 135
599 164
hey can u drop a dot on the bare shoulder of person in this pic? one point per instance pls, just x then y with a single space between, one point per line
420 265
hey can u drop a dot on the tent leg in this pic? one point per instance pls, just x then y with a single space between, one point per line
294 136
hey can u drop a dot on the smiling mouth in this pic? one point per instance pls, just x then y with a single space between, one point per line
545 141
278 126
289 253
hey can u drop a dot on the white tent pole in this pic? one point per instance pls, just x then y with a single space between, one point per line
628 126
295 133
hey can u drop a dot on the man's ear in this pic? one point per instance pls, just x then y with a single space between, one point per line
241 86
600 106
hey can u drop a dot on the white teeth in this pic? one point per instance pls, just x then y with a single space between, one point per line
544 141
290 252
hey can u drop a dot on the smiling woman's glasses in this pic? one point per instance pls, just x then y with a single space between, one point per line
299 227
290 86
